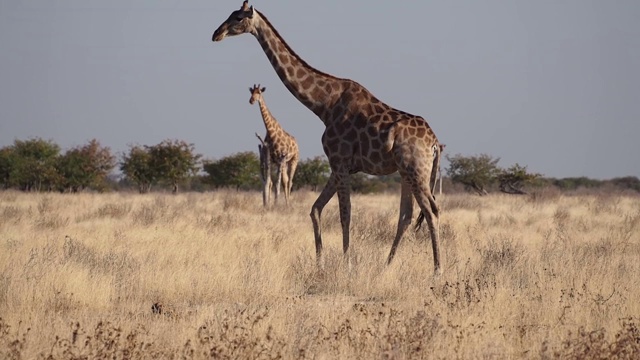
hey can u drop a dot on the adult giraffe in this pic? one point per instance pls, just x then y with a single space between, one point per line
362 134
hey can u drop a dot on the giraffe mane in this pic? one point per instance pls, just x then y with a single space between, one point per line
290 50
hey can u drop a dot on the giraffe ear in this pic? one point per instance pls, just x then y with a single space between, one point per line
263 89
251 90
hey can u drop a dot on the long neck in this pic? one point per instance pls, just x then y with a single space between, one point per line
318 91
270 122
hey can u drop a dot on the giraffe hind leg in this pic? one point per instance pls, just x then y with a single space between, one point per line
434 209
285 182
429 210
404 220
418 172
292 171
279 179
432 181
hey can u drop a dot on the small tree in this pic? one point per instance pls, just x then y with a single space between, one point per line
574 183
73 169
474 172
85 166
6 166
626 183
241 170
174 161
312 172
366 184
514 179
136 166
33 164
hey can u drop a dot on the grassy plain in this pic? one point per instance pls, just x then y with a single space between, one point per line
543 276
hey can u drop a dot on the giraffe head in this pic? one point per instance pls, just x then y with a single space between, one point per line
256 93
239 22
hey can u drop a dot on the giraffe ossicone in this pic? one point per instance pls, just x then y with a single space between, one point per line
362 134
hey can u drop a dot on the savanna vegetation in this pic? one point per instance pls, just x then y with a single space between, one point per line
123 275
41 165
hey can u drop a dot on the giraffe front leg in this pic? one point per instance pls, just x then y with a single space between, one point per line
268 188
343 186
406 213
316 212
265 172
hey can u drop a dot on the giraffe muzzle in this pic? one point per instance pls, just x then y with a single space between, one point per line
218 35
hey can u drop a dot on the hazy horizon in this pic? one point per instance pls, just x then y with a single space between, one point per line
553 86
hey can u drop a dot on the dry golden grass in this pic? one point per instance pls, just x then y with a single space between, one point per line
214 275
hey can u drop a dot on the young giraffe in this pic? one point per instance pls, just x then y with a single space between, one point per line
282 147
362 134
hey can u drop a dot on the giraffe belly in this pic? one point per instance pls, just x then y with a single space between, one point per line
376 163
371 154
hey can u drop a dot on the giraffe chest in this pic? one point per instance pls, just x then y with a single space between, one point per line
279 150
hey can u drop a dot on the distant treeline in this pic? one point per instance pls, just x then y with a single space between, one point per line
40 165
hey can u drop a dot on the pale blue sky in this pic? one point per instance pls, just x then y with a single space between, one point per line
554 85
